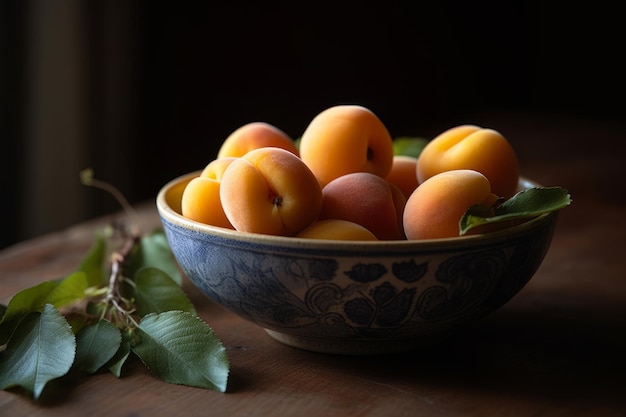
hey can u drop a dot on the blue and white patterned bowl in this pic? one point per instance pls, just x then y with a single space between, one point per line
354 297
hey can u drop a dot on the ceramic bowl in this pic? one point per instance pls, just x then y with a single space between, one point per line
355 298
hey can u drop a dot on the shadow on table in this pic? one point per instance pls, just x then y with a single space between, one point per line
567 355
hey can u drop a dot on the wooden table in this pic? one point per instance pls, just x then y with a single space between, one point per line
557 349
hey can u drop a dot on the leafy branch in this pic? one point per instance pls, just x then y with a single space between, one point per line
124 298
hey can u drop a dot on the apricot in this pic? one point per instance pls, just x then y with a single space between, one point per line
335 229
255 135
437 205
403 174
271 191
472 147
345 139
215 169
366 199
200 200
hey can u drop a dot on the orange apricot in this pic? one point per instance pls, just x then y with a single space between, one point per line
201 197
472 147
345 139
336 229
255 135
215 169
437 205
271 191
201 202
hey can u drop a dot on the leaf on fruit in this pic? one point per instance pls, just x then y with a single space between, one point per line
41 349
180 348
95 345
156 292
526 204
410 146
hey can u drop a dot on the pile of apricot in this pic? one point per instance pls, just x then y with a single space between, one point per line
343 181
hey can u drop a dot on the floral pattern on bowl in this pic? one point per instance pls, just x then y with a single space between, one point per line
356 297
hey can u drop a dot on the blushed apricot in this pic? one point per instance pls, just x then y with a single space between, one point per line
253 136
345 139
472 147
271 191
437 205
368 200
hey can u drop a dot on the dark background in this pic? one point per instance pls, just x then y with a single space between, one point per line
161 84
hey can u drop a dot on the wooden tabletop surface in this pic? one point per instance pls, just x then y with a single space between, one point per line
556 349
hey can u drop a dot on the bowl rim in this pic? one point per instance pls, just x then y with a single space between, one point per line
170 215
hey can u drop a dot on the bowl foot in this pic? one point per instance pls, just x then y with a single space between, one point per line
355 347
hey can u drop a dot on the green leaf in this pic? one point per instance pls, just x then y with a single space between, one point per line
410 146
93 263
26 301
57 293
528 203
42 348
30 299
119 359
95 345
156 292
181 349
69 290
154 251
535 201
